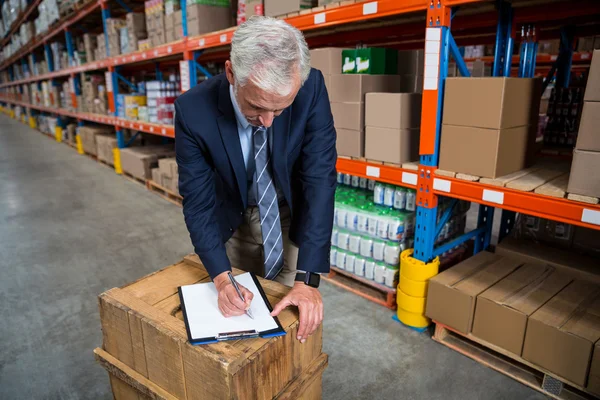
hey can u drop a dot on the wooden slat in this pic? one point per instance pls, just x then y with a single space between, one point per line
133 379
302 387
441 172
555 188
503 180
534 180
116 329
467 177
411 166
583 199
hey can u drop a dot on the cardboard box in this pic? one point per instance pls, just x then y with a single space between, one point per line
156 175
327 60
168 167
580 180
561 335
139 161
494 103
502 311
588 137
483 152
452 294
592 89
170 22
350 143
351 88
392 145
393 110
411 62
370 60
136 25
254 7
204 19
594 377
106 143
348 115
411 84
274 8
577 265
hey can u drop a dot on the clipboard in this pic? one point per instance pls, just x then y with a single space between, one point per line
201 306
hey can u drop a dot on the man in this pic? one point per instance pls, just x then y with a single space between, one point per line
256 155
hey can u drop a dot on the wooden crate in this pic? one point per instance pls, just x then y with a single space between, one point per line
143 329
129 385
509 364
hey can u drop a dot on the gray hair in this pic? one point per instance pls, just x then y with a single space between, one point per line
269 52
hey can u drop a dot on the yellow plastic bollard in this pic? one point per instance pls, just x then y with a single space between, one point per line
79 145
117 160
32 122
58 134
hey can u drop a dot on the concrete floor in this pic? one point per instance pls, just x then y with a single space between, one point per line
71 229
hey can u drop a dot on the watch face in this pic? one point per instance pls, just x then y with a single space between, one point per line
314 280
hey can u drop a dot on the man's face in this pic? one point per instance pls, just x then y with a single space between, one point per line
259 107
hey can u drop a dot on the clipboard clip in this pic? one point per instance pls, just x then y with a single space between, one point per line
237 335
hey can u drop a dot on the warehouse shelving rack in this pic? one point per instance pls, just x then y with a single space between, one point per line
385 22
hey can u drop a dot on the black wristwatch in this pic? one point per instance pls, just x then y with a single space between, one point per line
309 278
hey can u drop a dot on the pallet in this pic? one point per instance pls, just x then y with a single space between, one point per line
362 287
548 179
509 364
164 193
133 179
105 163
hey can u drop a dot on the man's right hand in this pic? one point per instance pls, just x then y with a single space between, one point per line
230 303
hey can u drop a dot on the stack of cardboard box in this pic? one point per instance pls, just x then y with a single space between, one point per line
411 65
204 17
173 26
392 126
155 23
275 8
489 125
139 161
71 133
100 53
113 27
89 41
88 137
105 144
586 157
541 313
136 29
94 94
167 174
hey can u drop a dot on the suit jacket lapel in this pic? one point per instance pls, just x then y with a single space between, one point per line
281 131
231 140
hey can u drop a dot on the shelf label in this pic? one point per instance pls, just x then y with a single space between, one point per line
144 55
320 18
201 42
155 53
109 82
553 57
370 8
123 59
442 185
434 34
493 196
590 216
164 131
223 38
585 56
373 171
184 70
169 49
409 178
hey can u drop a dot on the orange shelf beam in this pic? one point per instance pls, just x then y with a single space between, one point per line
155 129
564 210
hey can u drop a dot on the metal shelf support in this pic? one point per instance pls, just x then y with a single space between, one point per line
105 16
504 40
70 51
49 59
565 56
184 26
458 57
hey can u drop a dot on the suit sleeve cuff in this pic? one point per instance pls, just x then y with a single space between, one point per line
314 259
216 262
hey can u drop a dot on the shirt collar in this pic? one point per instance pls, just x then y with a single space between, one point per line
241 120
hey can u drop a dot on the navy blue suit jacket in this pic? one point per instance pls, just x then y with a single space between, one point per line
213 179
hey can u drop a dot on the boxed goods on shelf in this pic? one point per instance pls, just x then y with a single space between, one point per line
168 174
275 8
563 108
88 137
488 125
105 144
558 234
561 335
328 60
89 41
136 29
586 157
203 18
370 60
145 44
452 294
351 88
502 310
249 8
392 126
100 53
113 31
139 161
71 132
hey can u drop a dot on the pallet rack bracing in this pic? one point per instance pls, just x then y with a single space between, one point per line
439 44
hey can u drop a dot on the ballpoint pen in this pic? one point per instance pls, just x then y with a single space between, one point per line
239 292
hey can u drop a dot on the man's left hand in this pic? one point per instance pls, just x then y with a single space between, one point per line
309 303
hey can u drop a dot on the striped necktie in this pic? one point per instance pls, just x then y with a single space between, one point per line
267 204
